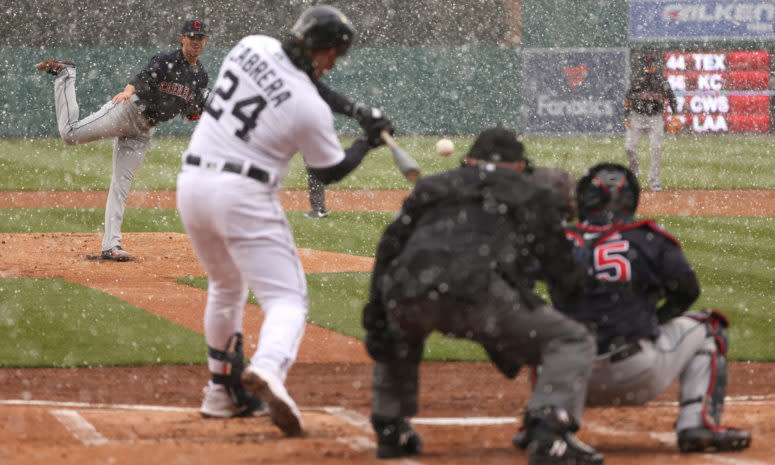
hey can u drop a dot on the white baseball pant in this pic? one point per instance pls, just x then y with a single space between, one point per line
124 122
653 127
240 233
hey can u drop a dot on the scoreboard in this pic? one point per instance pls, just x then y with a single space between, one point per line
720 91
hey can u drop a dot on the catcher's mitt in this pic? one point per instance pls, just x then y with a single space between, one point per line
562 183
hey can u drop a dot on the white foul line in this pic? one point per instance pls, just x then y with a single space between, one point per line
81 429
717 458
465 421
141 408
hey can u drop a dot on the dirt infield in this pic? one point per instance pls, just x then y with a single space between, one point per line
468 411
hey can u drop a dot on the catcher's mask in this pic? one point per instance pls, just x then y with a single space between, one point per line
324 26
608 190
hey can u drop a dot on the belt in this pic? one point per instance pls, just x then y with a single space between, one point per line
253 172
625 352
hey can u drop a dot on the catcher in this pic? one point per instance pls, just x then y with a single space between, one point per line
457 259
636 302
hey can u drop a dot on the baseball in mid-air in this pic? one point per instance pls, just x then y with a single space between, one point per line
445 147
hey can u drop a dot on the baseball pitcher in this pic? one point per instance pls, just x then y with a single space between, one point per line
172 84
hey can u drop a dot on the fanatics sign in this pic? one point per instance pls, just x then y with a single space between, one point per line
574 91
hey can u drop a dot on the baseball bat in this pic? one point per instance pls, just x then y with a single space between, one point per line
408 166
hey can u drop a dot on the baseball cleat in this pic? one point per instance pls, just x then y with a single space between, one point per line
701 439
561 449
549 433
218 404
116 254
396 438
323 213
282 409
53 66
521 439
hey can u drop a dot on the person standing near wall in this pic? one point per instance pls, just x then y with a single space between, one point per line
644 106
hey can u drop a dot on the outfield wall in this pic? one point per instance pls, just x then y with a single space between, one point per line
424 90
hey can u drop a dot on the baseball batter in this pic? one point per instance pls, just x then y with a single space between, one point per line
264 108
172 84
643 116
636 304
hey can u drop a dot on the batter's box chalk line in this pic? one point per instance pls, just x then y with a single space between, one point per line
79 427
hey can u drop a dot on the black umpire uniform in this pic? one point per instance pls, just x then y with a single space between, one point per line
458 259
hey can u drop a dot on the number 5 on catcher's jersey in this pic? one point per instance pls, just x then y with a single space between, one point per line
611 262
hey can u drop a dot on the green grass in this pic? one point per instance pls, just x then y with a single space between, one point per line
336 302
359 237
707 162
733 279
86 220
735 261
53 323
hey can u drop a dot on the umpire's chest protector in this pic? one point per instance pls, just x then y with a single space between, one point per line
463 231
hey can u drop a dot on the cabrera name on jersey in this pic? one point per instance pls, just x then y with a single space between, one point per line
259 71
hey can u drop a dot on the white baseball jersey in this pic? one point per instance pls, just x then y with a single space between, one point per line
263 109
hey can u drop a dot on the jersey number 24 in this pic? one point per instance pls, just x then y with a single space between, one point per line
245 110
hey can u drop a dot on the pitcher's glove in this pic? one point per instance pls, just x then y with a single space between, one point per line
194 111
373 122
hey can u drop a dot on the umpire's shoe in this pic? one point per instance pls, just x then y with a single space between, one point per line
282 409
53 66
701 439
552 441
395 437
520 438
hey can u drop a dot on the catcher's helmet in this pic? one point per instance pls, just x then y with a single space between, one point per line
323 26
607 188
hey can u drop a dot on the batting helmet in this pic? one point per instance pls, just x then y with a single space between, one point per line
323 26
610 189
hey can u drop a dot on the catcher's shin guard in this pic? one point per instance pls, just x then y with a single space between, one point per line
234 364
713 398
711 435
